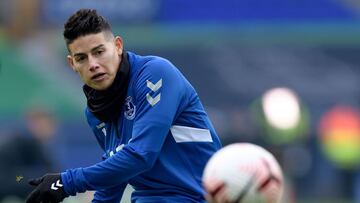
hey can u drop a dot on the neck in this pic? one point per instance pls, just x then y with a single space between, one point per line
106 105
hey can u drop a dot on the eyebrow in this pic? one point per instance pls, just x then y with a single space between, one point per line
93 49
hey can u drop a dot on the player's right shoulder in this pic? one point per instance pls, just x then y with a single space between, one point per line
157 62
150 64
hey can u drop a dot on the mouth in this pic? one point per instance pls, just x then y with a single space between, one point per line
98 77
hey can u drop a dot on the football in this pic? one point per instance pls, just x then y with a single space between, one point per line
243 172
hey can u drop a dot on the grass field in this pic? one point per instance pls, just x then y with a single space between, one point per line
326 201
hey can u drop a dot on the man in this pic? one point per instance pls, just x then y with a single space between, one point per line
24 151
146 117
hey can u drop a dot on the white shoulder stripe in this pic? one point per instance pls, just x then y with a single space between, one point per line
152 101
152 86
189 134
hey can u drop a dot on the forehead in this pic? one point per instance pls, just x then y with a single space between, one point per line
85 43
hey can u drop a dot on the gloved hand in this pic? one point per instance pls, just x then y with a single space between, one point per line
49 189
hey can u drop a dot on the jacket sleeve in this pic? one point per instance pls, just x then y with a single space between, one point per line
96 126
158 92
109 195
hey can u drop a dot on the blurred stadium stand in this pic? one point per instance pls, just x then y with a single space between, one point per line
232 51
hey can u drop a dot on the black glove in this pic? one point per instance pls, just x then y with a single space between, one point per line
49 189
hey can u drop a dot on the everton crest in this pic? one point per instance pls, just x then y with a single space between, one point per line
130 108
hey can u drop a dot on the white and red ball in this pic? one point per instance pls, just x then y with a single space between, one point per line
243 172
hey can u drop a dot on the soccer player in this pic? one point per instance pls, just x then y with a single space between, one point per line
145 115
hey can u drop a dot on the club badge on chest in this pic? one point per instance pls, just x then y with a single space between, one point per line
130 108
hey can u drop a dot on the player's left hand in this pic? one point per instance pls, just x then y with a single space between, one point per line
49 189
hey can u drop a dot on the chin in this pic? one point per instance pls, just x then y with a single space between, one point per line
100 85
100 88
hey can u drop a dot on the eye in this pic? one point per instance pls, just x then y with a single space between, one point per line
80 58
99 52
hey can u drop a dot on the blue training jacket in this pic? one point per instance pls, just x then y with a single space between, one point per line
159 144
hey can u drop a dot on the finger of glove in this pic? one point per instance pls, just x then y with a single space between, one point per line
36 181
34 197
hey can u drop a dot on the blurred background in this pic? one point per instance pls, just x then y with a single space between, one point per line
283 74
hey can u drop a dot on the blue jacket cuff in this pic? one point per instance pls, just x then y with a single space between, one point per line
74 181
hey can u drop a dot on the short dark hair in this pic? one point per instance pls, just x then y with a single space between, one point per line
84 22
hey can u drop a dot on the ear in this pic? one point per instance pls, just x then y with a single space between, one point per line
71 62
119 45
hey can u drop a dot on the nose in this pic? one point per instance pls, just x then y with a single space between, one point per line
93 64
